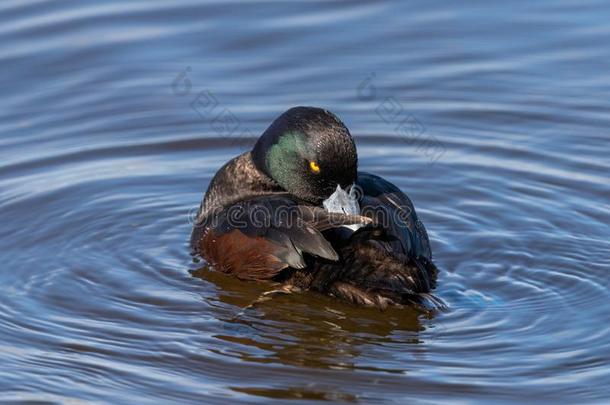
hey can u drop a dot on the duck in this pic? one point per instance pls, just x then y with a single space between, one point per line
296 211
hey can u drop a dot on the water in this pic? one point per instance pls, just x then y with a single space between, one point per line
493 117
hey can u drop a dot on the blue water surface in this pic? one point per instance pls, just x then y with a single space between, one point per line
493 116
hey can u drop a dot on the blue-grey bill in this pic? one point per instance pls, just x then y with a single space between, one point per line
345 202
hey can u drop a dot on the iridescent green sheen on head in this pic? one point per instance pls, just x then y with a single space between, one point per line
285 157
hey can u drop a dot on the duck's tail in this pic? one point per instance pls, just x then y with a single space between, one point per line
369 272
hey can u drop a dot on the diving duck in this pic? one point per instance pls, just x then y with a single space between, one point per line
295 210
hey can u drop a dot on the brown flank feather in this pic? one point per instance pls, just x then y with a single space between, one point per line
246 257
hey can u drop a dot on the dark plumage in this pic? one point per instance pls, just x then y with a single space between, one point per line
262 218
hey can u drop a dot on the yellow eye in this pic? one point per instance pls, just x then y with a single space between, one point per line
314 167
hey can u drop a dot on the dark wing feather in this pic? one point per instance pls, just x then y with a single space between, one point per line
324 220
259 237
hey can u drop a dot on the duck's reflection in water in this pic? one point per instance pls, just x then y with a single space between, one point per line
308 329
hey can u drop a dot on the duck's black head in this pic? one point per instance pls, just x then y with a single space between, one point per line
308 151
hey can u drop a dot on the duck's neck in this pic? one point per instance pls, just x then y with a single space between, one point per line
237 180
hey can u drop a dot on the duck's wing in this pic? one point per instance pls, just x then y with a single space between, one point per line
391 209
259 237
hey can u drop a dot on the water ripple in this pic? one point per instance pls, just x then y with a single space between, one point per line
102 162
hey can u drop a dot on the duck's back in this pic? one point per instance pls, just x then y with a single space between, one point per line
394 211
